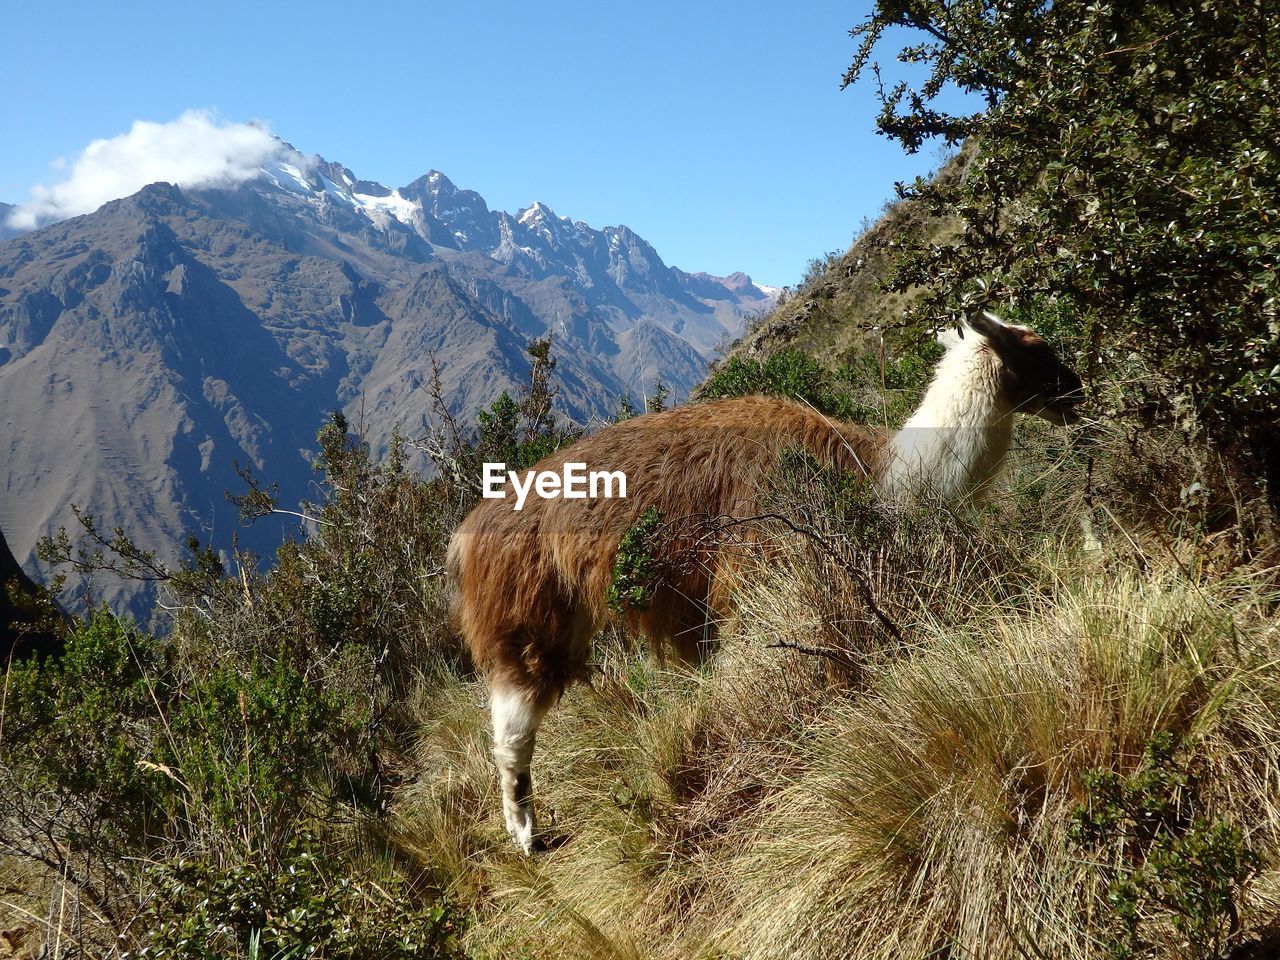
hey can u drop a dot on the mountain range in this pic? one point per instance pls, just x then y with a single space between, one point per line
149 346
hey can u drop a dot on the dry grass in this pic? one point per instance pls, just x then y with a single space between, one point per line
25 910
933 814
771 806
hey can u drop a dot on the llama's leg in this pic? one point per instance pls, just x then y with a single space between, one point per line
516 715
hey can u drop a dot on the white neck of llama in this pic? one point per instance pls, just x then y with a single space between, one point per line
953 445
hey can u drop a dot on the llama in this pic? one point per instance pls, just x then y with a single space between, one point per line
530 586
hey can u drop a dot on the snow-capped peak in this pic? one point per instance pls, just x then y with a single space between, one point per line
538 211
310 179
439 184
541 219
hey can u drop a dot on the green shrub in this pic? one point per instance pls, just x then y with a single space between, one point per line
117 753
75 732
298 910
361 603
1164 857
867 389
626 408
789 373
257 754
637 568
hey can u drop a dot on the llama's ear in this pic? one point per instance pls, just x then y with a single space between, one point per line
989 325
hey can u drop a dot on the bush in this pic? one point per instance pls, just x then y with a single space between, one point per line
868 389
296 909
257 755
636 569
119 753
1164 858
1147 213
789 373
76 732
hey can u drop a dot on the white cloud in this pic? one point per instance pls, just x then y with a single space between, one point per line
195 150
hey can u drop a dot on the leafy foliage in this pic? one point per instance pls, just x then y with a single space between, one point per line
789 373
73 792
253 753
1165 857
521 432
298 911
1122 163
355 606
30 617
637 568
867 389
117 750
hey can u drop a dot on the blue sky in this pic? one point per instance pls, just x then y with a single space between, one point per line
717 131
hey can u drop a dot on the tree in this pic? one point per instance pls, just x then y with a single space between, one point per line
1122 175
657 401
626 408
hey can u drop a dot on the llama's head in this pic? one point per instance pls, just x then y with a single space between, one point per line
1033 379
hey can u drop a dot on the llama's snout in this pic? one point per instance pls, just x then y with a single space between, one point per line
1065 407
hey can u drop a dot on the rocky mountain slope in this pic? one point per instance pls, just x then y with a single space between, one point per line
7 231
147 347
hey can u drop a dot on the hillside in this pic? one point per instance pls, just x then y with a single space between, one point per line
831 313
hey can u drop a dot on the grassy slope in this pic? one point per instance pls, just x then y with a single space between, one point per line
766 808
904 798
830 315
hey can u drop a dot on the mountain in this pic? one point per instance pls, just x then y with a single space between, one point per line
147 347
17 636
7 231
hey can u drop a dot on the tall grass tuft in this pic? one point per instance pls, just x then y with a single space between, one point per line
934 814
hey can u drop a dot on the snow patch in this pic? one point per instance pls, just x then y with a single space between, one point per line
291 177
402 208
287 176
535 212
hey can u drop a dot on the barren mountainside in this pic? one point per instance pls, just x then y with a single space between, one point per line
7 231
